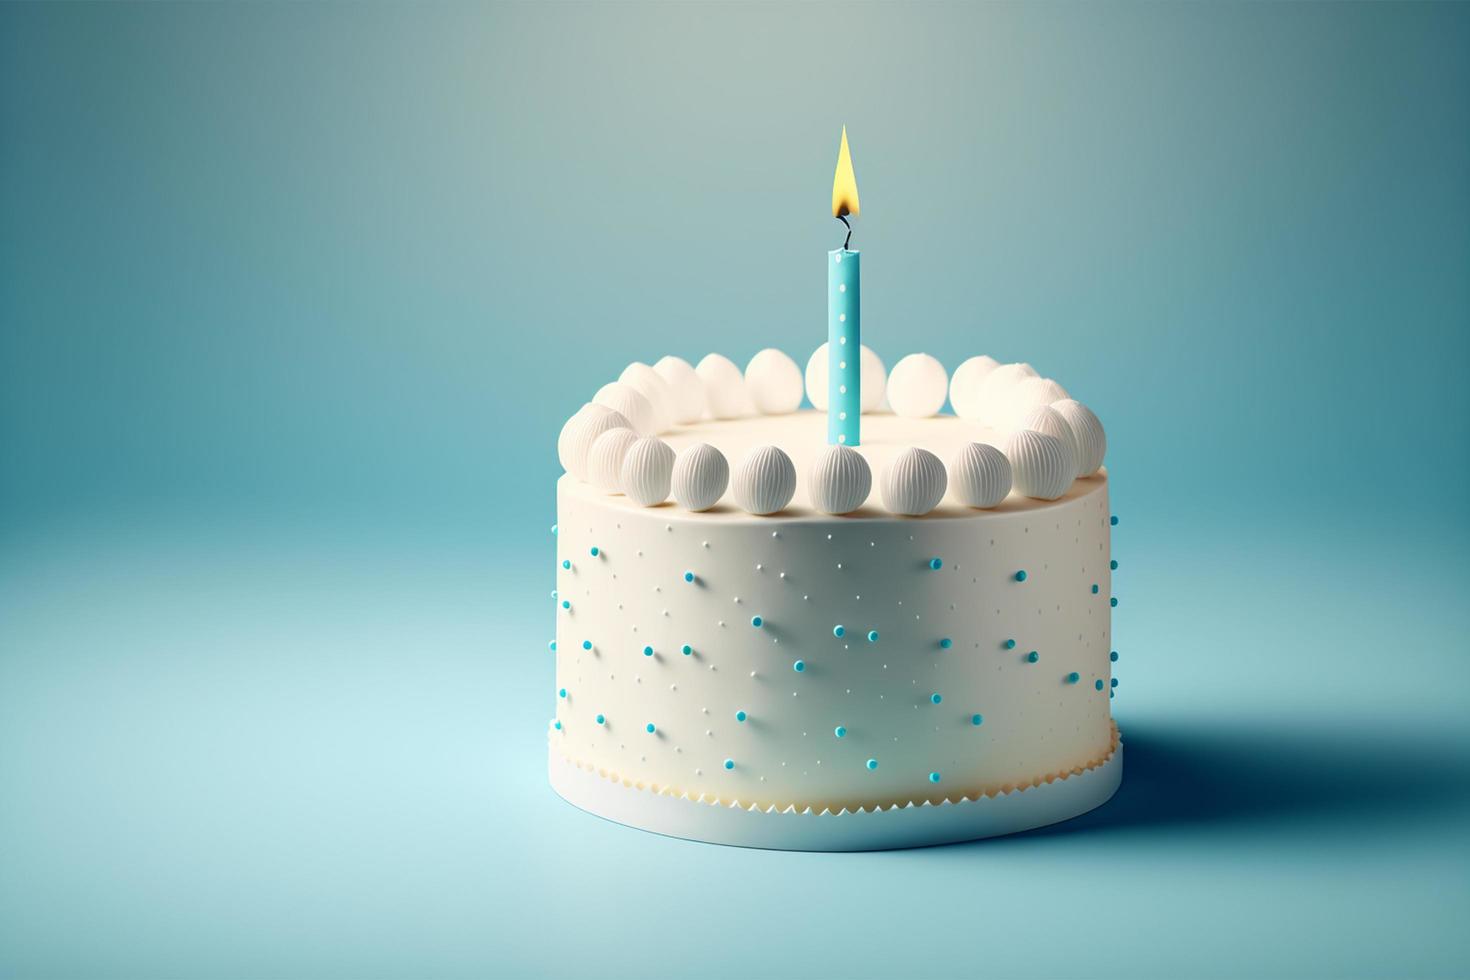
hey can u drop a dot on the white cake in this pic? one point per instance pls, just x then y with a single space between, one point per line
804 679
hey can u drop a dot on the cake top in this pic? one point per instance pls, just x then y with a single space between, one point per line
1015 442
802 435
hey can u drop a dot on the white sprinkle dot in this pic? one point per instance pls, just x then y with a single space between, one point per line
842 287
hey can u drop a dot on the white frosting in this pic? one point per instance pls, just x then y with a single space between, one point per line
917 386
1023 396
724 387
1040 465
701 474
802 435
774 382
1092 441
840 481
651 385
980 475
994 386
873 379
816 376
803 574
605 459
687 389
914 483
648 467
580 431
1049 421
631 404
964 386
831 482
765 481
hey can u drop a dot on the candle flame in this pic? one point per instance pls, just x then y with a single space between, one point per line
844 184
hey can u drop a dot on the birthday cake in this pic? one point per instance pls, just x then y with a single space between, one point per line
767 635
864 626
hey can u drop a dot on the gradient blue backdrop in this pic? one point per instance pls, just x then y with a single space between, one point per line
294 299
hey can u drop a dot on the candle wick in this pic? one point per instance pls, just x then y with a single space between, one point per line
843 218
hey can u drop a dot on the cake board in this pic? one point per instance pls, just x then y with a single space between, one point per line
911 825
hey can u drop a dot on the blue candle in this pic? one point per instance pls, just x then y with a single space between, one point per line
844 339
844 315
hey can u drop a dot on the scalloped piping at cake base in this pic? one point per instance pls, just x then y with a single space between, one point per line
1046 800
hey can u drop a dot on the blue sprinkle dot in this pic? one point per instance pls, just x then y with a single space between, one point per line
562 693
872 636
586 644
689 576
1112 694
565 604
1009 644
1098 684
1094 588
649 728
1021 575
977 719
558 726
553 529
838 632
934 777
1113 656
729 763
1032 657
935 698
935 564
1073 677
840 731
756 621
566 563
601 720
946 643
648 651
1113 601
686 649
739 716
592 551
799 666
551 646
1113 564
1115 682
872 763
1113 520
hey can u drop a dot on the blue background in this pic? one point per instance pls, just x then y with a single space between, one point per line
294 299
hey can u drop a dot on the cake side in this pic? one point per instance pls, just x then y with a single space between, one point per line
774 705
